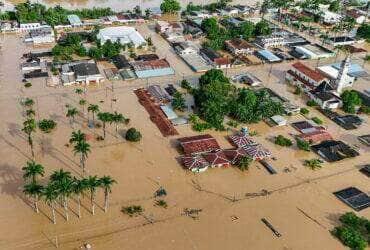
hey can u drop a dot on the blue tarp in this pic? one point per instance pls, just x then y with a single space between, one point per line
268 55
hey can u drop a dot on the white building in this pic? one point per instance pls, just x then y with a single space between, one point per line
187 48
329 17
304 77
44 34
81 72
29 26
314 51
122 34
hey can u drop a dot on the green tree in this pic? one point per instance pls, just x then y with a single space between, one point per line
133 135
283 141
334 6
178 102
313 164
32 170
62 182
118 118
71 114
170 6
350 100
92 183
244 163
303 145
364 31
50 194
78 188
77 136
262 28
106 183
29 127
28 102
47 125
30 113
245 30
94 109
83 149
34 192
104 117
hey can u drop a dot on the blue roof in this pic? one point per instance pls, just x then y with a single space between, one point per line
74 19
154 72
269 55
353 68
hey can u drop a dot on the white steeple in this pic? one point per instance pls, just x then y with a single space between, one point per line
343 80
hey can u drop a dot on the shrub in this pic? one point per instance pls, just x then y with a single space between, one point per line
283 141
233 123
185 85
27 85
133 210
313 164
297 91
304 111
303 145
46 125
133 135
350 237
317 120
365 109
161 203
244 163
200 126
312 103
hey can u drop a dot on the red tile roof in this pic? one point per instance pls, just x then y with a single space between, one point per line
316 136
194 162
217 158
222 61
235 155
313 74
198 144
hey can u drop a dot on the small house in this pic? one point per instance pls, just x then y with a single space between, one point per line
239 46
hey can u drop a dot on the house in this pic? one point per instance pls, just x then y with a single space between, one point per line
333 151
358 15
186 48
29 26
241 140
129 18
147 57
198 144
122 34
257 152
341 41
215 58
270 41
121 62
239 46
232 22
324 96
247 78
267 56
235 155
228 11
74 20
243 9
153 68
304 77
365 139
41 35
163 26
314 51
81 72
315 136
328 17
216 158
159 94
32 65
279 120
195 163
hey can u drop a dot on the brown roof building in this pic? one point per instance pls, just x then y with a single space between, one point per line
239 46
198 144
304 77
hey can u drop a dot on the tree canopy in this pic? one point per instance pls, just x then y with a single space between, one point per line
170 6
350 100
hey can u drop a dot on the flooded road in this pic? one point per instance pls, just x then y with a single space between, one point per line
118 4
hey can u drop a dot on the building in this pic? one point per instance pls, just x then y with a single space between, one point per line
154 68
41 35
341 41
304 77
365 139
267 56
241 140
216 159
29 26
279 120
215 58
198 144
270 41
147 57
314 51
74 20
247 78
239 46
235 155
333 151
195 163
324 95
122 34
315 136
329 17
228 11
186 48
81 72
163 26
358 15
121 62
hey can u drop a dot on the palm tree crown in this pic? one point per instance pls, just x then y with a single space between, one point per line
77 136
32 170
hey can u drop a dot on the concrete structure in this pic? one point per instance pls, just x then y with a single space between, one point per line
154 68
74 20
268 56
122 34
215 59
45 34
304 77
81 72
324 95
239 46
341 41
279 120
186 48
329 17
29 26
314 51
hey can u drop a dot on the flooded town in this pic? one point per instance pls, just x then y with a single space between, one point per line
185 125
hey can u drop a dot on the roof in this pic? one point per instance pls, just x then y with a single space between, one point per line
74 19
278 119
123 34
85 69
313 74
241 140
168 111
239 43
210 53
257 152
216 158
268 55
147 57
334 150
235 155
157 92
316 136
121 62
354 13
194 162
149 65
198 144
365 139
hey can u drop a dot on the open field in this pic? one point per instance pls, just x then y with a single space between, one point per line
300 203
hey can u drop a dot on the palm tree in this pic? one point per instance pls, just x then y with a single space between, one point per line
104 117
28 102
34 192
78 188
29 126
77 137
62 182
82 148
50 194
118 118
106 183
78 91
92 184
32 170
71 113
93 108
82 103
